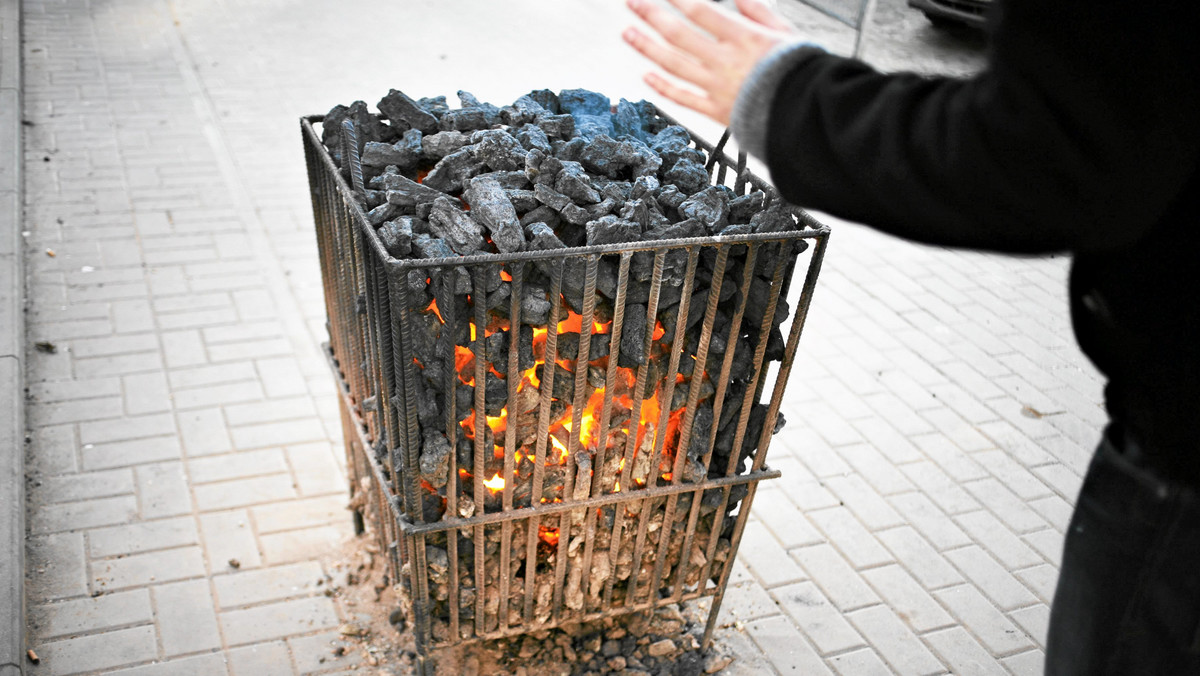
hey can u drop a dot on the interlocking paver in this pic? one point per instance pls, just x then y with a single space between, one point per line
261 659
902 650
80 616
982 618
817 617
99 651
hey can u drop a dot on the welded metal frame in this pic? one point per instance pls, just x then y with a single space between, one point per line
370 351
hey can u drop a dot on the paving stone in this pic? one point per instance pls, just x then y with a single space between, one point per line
977 614
770 563
998 539
902 650
146 393
271 410
142 536
83 486
196 665
317 653
279 433
237 465
859 497
262 659
56 566
77 410
244 588
316 469
940 488
87 615
302 513
125 429
876 469
143 569
779 515
215 374
908 598
1041 580
923 515
1029 663
785 647
203 432
1049 543
73 516
186 618
280 377
163 490
298 545
1035 620
134 452
746 601
229 536
963 654
99 651
217 395
928 566
242 492
277 620
817 618
841 584
1006 506
989 576
860 663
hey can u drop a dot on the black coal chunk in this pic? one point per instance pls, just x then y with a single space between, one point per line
564 381
427 246
542 214
436 146
709 206
672 145
404 154
774 219
398 107
573 182
531 137
689 176
542 237
455 226
611 230
680 230
630 119
522 200
670 197
743 207
490 204
591 110
560 127
522 111
405 192
397 236
380 214
535 306
612 158
633 335
551 197
453 170
498 149
435 458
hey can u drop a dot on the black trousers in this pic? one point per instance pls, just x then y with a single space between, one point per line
1128 596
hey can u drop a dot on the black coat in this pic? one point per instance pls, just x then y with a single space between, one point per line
1082 136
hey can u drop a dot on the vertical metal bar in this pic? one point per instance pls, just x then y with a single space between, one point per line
448 306
543 434
517 271
602 437
573 450
666 398
479 347
635 423
731 344
789 353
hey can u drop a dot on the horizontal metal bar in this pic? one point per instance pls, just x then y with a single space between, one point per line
409 528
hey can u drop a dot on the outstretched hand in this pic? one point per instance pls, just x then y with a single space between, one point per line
711 49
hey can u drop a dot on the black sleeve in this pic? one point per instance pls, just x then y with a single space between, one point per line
1078 135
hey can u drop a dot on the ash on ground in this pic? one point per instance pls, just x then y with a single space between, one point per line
375 638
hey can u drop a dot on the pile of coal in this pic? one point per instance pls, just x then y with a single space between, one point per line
548 171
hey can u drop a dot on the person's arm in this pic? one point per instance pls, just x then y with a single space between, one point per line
1077 136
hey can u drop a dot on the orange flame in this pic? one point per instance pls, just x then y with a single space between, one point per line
505 276
548 535
495 484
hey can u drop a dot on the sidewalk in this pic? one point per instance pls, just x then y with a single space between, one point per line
939 416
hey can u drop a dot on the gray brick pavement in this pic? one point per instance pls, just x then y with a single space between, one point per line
939 415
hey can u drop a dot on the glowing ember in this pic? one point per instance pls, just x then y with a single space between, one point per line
495 484
505 276
548 535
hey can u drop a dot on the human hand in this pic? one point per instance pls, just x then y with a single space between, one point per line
711 49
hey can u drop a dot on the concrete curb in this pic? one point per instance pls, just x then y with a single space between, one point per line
12 349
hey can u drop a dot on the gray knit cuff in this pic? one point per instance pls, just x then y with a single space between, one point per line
752 108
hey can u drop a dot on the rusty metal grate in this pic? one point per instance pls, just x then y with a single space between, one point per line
489 562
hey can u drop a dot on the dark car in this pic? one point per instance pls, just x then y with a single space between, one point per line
946 13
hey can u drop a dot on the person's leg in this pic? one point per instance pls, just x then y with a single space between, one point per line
1128 596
